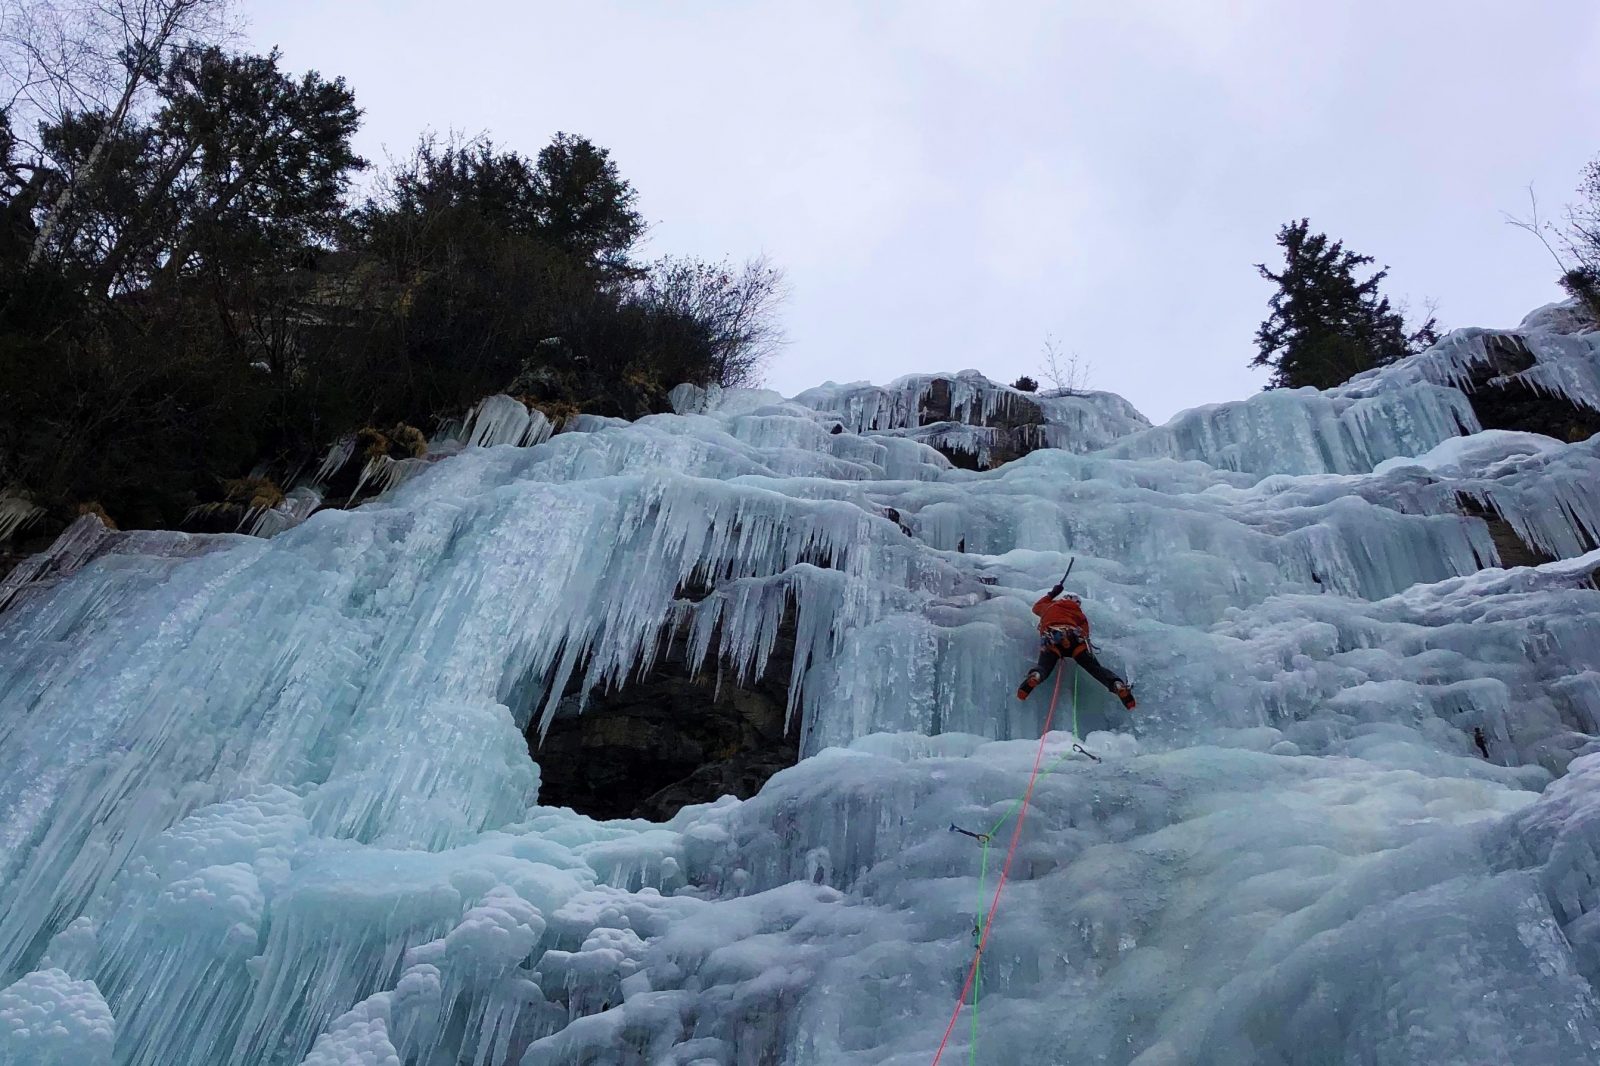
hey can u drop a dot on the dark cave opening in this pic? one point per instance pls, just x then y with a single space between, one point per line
668 739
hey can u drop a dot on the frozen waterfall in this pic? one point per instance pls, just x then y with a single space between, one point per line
270 801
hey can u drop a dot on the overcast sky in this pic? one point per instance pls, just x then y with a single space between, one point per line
946 183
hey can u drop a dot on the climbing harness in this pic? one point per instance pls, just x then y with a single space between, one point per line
981 927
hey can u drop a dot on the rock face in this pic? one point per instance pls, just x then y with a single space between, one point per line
669 740
88 539
1007 432
1015 428
1512 549
1501 400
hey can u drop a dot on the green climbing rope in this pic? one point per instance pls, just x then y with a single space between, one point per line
983 876
1075 734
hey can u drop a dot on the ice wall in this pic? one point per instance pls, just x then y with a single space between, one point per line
1388 412
965 412
269 800
1559 362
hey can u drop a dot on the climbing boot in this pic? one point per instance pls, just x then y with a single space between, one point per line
1029 683
1125 694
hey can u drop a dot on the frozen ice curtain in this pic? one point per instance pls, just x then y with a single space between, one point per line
274 802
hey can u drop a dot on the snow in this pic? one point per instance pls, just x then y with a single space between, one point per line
49 1019
270 800
1458 456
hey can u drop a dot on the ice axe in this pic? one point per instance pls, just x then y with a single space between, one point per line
1070 564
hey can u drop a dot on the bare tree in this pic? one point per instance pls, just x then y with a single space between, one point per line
1540 228
736 308
1426 332
60 58
1580 267
1069 372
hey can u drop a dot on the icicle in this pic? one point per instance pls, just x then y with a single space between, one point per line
274 801
16 513
297 505
338 455
504 420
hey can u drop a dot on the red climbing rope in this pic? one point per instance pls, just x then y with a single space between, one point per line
1005 871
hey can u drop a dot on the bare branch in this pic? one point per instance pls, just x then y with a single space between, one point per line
736 308
1532 224
66 58
1069 372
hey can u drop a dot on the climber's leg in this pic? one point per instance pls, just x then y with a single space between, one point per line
1084 656
1048 657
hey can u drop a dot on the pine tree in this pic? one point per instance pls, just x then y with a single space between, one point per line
1326 323
587 208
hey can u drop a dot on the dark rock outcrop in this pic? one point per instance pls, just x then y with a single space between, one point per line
1513 550
1501 401
1014 428
936 406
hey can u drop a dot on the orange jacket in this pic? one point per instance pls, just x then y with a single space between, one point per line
1064 612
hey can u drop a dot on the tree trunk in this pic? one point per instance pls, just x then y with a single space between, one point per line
106 276
139 73
58 210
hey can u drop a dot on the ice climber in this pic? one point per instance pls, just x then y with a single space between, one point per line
1064 632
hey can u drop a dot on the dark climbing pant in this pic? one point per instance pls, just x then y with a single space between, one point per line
1069 642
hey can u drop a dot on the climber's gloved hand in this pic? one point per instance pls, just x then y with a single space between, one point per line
1055 590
